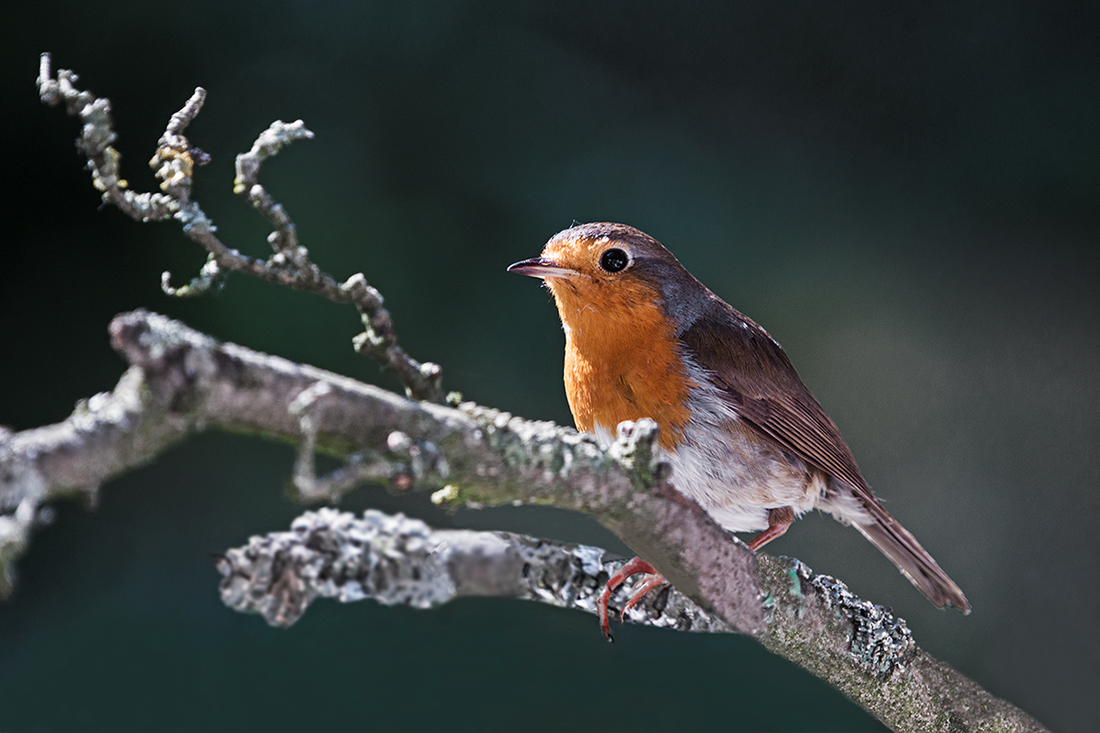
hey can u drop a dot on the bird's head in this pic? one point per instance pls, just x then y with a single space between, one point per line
612 275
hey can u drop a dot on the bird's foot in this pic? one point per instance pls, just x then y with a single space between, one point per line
634 567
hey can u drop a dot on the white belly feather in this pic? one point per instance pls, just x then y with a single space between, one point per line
734 474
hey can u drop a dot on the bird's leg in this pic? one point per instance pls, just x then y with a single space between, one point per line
635 566
779 519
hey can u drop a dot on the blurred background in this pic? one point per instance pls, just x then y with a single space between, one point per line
906 196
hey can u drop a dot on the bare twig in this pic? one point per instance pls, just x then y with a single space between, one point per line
284 240
174 163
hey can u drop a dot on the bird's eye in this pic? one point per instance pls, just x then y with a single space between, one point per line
614 260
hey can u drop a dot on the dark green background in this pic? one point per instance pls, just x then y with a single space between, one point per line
906 196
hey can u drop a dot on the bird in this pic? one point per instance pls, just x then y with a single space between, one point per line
743 435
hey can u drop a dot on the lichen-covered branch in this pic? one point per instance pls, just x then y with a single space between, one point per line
105 436
174 163
395 560
181 381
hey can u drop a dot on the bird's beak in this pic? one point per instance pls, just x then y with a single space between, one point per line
542 267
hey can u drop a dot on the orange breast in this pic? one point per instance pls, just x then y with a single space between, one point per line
622 358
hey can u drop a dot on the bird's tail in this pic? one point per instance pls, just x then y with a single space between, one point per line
912 560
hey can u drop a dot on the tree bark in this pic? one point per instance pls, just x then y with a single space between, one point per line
181 382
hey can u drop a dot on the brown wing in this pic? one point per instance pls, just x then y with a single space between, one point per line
762 386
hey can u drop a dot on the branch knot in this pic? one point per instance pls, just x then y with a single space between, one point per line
635 448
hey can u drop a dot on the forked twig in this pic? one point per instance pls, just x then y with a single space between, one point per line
174 163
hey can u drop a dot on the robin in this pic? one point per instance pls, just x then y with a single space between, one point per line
742 433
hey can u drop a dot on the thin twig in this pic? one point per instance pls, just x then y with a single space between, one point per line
174 164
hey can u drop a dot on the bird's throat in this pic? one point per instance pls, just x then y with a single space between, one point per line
623 367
